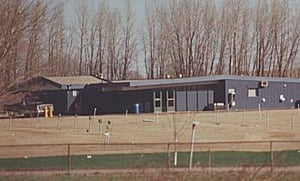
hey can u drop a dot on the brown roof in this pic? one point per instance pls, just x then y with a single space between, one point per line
78 80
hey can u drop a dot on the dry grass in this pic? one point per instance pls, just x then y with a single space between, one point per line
235 126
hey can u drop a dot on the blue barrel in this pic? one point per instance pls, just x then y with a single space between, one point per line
137 108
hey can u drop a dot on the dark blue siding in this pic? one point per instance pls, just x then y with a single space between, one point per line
181 101
270 94
192 100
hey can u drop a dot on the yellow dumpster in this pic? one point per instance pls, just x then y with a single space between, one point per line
51 112
46 111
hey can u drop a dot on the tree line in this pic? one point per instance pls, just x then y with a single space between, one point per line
177 38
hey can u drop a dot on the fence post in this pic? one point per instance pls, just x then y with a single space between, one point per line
243 118
9 122
69 159
209 161
271 155
292 121
169 155
267 120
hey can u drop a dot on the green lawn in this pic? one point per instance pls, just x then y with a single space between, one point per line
152 160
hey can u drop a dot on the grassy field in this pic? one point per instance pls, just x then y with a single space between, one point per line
153 128
161 128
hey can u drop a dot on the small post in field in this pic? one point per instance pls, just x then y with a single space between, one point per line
298 107
227 109
243 118
100 126
9 122
194 124
95 112
267 120
271 156
175 154
57 122
217 117
209 161
259 111
90 120
292 121
69 159
157 117
126 114
75 121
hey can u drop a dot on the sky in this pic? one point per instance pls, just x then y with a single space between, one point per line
138 7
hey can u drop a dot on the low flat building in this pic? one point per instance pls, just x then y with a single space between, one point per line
85 94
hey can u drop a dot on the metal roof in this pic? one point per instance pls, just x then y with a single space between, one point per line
74 81
198 80
79 82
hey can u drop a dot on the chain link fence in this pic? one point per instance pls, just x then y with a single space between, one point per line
72 157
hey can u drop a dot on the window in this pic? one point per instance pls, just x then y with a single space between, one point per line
252 92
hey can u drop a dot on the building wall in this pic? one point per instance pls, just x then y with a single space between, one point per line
267 97
115 102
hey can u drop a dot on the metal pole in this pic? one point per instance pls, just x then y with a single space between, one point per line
227 109
209 161
100 126
267 119
95 111
9 122
217 117
192 144
243 117
57 122
126 114
259 111
271 155
292 121
169 156
175 154
89 130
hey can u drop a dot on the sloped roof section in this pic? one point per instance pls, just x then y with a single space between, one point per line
73 81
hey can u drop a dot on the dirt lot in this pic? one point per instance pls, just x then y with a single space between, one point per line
155 128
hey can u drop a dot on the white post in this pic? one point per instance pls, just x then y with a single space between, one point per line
267 119
57 122
95 111
9 122
194 124
227 109
259 111
175 155
292 121
298 109
126 114
89 130
100 126
243 117
74 122
157 116
209 161
217 117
